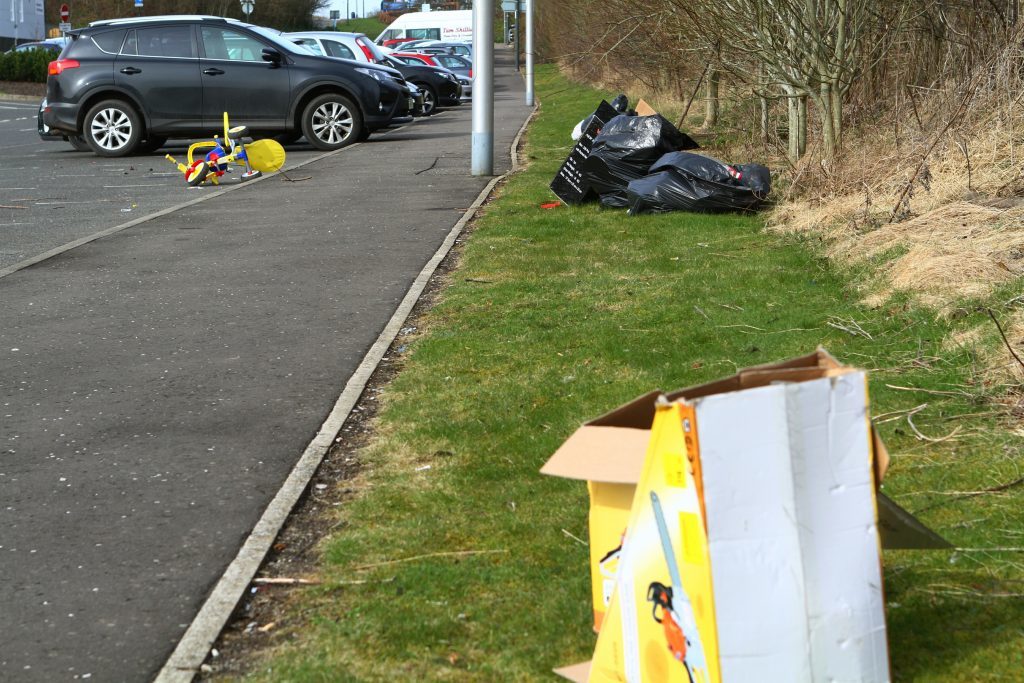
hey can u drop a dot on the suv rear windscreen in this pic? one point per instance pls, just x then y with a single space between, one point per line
109 41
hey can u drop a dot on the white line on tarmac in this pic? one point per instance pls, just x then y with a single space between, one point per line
109 187
4 189
195 644
86 201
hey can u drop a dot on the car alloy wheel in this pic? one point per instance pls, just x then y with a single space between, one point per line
331 122
429 100
112 128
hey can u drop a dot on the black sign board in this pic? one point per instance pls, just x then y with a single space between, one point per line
569 184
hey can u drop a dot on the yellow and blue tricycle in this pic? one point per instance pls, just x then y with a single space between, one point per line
258 157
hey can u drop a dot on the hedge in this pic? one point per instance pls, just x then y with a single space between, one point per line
27 65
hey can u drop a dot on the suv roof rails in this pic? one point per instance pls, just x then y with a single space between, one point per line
157 19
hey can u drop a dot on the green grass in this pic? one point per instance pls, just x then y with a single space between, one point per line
559 315
371 26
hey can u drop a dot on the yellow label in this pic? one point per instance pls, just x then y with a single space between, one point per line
675 468
692 532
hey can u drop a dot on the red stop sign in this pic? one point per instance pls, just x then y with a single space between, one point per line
65 13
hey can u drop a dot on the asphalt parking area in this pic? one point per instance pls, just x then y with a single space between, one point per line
51 195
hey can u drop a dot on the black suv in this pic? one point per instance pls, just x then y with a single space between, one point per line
127 85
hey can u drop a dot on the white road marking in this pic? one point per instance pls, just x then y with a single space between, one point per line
110 187
88 201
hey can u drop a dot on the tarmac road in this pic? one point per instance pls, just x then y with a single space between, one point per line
158 384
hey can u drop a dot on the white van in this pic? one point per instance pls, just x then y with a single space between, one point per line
456 25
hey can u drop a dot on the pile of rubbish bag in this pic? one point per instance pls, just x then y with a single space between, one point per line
692 182
642 163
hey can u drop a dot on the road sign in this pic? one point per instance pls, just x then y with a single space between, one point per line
64 26
138 3
509 5
247 6
335 14
65 14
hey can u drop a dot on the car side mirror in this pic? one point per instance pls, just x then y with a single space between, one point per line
271 55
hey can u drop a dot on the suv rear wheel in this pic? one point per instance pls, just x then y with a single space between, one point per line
112 128
331 122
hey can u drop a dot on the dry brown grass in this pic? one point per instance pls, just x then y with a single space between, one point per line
959 230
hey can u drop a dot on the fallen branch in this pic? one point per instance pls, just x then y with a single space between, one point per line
1003 335
930 391
957 495
574 537
792 329
282 581
896 414
750 326
851 327
414 558
949 124
686 110
922 437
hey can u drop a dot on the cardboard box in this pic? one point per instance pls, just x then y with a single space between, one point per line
608 453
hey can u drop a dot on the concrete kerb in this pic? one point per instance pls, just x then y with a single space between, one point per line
202 633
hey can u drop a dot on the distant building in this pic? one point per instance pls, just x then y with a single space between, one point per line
20 22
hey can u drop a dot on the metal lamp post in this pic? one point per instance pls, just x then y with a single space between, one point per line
482 162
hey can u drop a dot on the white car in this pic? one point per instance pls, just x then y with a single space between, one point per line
338 44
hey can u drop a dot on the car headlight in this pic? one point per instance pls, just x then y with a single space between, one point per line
376 74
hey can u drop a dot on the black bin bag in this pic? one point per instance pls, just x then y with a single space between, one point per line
624 151
682 181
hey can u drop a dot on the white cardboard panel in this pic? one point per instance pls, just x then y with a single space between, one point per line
830 440
754 542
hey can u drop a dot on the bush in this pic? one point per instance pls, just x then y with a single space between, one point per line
28 65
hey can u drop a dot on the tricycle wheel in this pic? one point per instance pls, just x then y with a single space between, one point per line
197 173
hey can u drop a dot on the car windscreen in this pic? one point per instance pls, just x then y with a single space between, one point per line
309 45
278 40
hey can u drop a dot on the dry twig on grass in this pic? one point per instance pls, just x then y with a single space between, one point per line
850 326
1003 335
414 558
930 391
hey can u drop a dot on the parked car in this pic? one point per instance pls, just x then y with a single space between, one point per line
125 81
460 66
439 86
441 47
355 47
54 45
339 44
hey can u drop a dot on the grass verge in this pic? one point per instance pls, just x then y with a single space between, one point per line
456 560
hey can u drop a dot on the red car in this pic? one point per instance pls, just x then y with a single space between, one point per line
459 65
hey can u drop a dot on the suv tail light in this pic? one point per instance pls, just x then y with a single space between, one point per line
56 68
366 50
